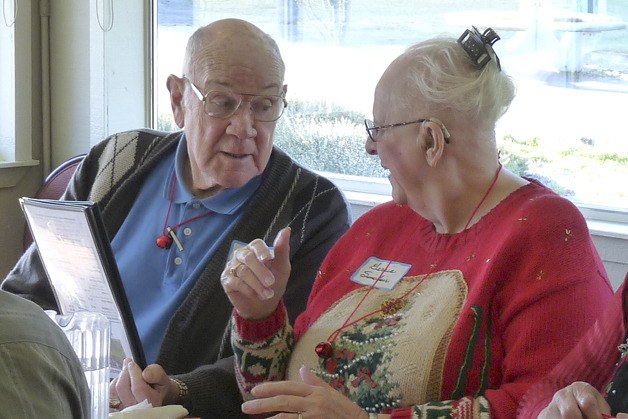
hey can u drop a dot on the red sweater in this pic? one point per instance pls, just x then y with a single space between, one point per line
503 302
593 360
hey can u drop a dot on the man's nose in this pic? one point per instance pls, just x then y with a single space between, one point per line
241 122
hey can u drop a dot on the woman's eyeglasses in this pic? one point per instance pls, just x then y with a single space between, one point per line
373 130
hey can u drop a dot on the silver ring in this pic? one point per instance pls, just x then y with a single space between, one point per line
234 269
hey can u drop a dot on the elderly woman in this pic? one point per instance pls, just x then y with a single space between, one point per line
447 302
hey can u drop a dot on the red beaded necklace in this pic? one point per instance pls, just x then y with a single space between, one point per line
168 233
325 350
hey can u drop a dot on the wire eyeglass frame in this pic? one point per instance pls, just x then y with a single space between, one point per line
279 100
370 126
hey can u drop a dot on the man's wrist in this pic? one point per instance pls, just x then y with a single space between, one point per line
180 389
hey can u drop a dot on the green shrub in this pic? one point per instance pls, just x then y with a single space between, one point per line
165 122
325 137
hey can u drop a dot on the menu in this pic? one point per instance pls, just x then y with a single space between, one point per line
82 270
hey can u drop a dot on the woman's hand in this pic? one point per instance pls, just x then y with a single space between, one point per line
576 401
133 386
313 398
254 280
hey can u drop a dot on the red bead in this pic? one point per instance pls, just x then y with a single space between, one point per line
324 350
164 242
330 365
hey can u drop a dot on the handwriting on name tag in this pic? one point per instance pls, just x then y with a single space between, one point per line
383 274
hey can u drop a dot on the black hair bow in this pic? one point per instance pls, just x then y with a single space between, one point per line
479 46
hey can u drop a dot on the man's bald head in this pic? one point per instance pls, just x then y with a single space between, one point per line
219 38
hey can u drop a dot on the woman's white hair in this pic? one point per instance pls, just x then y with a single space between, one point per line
440 73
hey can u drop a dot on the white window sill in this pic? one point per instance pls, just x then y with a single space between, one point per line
602 223
608 229
12 172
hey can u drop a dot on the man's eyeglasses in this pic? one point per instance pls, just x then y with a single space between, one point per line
373 130
222 104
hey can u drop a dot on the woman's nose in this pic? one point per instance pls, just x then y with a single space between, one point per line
370 146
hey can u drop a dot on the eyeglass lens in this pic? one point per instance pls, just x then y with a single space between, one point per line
224 104
371 130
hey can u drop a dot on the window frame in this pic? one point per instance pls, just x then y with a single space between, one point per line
16 73
365 192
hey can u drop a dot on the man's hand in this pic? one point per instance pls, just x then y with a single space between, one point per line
133 386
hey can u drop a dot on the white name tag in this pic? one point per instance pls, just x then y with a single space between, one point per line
385 274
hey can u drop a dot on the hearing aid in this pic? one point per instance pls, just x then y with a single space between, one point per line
442 127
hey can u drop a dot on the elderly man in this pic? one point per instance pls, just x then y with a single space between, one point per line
175 205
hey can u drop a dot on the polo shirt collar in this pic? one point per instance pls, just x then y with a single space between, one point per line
226 202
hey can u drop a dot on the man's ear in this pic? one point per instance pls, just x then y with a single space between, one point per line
176 88
285 93
435 142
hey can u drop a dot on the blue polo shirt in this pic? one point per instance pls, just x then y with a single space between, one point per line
157 280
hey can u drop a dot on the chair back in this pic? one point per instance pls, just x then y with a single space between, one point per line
54 186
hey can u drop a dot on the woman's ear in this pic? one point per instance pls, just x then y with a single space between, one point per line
176 88
442 126
435 142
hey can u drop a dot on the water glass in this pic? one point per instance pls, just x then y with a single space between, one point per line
89 335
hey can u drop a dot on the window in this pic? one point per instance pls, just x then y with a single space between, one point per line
7 91
569 59
16 127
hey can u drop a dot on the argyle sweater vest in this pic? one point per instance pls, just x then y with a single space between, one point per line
196 345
